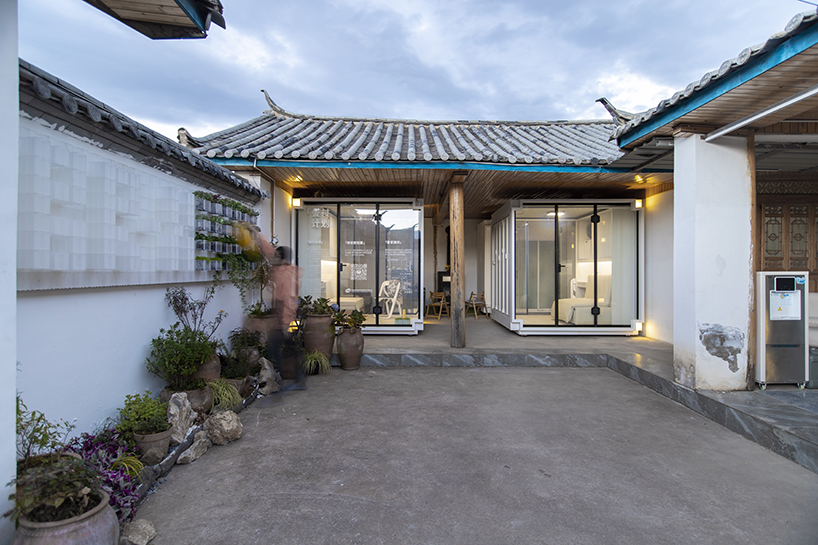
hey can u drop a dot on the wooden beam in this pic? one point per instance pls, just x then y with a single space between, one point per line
457 229
285 187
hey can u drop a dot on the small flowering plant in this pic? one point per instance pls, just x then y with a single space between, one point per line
118 467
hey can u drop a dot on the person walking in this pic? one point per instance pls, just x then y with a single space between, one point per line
285 282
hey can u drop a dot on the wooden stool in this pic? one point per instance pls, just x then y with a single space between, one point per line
437 299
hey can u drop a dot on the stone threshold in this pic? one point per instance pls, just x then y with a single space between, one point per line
783 428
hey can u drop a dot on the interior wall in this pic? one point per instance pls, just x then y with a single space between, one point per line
659 266
282 217
474 250
9 147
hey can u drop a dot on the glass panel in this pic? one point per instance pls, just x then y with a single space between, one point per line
399 271
799 237
358 229
773 236
317 250
576 237
616 285
535 246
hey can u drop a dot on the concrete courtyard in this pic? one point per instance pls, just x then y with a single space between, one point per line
483 456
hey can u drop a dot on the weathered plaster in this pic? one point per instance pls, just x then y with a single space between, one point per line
724 342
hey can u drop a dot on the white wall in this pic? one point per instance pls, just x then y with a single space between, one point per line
82 350
9 119
659 266
712 256
282 217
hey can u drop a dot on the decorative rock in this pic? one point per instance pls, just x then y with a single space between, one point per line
138 532
180 416
267 378
200 445
223 427
152 456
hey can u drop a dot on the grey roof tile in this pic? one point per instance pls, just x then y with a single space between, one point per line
279 134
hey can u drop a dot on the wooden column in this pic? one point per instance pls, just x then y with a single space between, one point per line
458 263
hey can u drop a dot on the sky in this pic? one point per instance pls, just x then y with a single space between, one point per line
525 60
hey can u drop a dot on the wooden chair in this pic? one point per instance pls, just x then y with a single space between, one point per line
437 299
476 301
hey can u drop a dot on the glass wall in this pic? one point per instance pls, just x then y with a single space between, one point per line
576 265
363 257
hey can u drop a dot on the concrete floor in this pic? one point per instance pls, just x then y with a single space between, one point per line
483 456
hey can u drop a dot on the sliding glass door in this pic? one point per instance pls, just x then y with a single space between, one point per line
369 258
576 265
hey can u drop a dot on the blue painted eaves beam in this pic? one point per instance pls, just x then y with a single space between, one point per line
194 13
785 51
442 165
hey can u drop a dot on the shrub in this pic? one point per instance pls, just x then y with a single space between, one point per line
225 395
142 414
177 353
316 363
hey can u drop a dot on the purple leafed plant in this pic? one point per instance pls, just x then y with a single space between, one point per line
105 451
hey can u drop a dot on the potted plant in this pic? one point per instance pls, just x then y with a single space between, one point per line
318 329
350 339
315 363
244 359
58 496
225 396
145 420
184 355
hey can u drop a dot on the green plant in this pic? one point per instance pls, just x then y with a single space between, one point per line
356 319
55 489
340 318
142 414
321 306
190 311
244 338
249 273
225 395
37 436
177 353
316 363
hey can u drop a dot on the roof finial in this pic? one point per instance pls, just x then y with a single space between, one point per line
273 105
619 116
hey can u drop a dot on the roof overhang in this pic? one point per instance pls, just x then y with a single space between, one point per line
165 19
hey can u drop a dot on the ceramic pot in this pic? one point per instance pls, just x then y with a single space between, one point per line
200 400
244 385
262 324
153 445
211 369
99 525
319 334
350 348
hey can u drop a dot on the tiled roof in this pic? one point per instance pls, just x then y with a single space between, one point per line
76 103
281 135
797 24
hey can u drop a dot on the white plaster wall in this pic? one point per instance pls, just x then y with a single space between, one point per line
282 217
659 266
82 350
713 276
9 119
473 256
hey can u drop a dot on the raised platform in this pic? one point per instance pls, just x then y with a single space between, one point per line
782 418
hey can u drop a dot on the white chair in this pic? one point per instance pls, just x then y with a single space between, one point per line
389 293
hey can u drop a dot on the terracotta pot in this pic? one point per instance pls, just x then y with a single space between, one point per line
99 525
319 334
244 385
199 399
262 324
350 348
211 369
158 441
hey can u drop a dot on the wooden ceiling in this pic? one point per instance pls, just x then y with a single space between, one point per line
485 190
